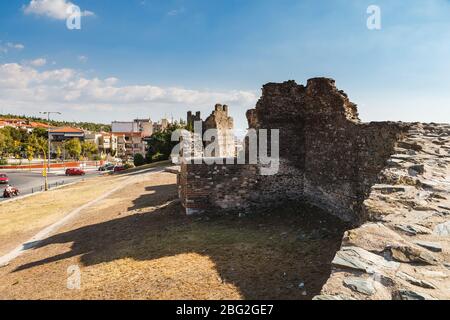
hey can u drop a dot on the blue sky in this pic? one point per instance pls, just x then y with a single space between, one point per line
154 58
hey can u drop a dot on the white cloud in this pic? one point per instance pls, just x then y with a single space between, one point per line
38 62
56 9
176 12
25 87
17 46
9 45
82 59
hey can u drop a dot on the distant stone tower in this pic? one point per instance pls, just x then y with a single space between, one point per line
220 120
191 118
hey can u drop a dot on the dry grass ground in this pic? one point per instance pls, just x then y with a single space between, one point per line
21 219
137 244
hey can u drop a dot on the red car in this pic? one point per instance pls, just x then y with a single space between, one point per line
75 172
4 179
119 168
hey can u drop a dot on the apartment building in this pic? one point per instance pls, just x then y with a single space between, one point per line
130 144
60 135
132 136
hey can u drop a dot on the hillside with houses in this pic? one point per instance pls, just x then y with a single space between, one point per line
26 138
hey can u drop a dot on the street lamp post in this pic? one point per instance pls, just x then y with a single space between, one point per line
48 113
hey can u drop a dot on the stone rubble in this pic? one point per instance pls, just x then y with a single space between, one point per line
408 225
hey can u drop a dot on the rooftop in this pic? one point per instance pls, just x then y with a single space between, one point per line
66 130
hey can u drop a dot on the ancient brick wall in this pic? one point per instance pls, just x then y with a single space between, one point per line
220 186
327 156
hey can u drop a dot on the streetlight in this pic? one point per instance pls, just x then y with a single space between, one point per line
48 113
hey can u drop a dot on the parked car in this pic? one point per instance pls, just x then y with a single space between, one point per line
106 167
4 179
75 172
119 168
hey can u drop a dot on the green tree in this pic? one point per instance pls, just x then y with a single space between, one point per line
30 154
3 144
41 132
89 148
58 152
73 148
39 144
161 144
139 160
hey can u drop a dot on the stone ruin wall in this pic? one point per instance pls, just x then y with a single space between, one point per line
327 156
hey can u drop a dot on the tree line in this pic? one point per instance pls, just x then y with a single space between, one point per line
89 126
21 144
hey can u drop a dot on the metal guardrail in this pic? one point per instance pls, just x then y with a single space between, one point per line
50 186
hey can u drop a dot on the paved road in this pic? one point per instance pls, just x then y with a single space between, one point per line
29 182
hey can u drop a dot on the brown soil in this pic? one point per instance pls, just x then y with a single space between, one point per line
139 245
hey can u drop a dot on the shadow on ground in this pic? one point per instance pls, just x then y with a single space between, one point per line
267 255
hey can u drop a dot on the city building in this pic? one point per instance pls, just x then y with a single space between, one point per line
129 144
144 126
132 136
60 135
108 143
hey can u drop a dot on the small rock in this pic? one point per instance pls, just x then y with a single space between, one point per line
373 237
411 295
432 246
433 274
411 254
360 285
443 229
413 229
360 259
418 169
395 163
416 282
388 189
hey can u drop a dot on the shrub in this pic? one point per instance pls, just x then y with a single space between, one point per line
128 166
3 162
139 160
159 157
